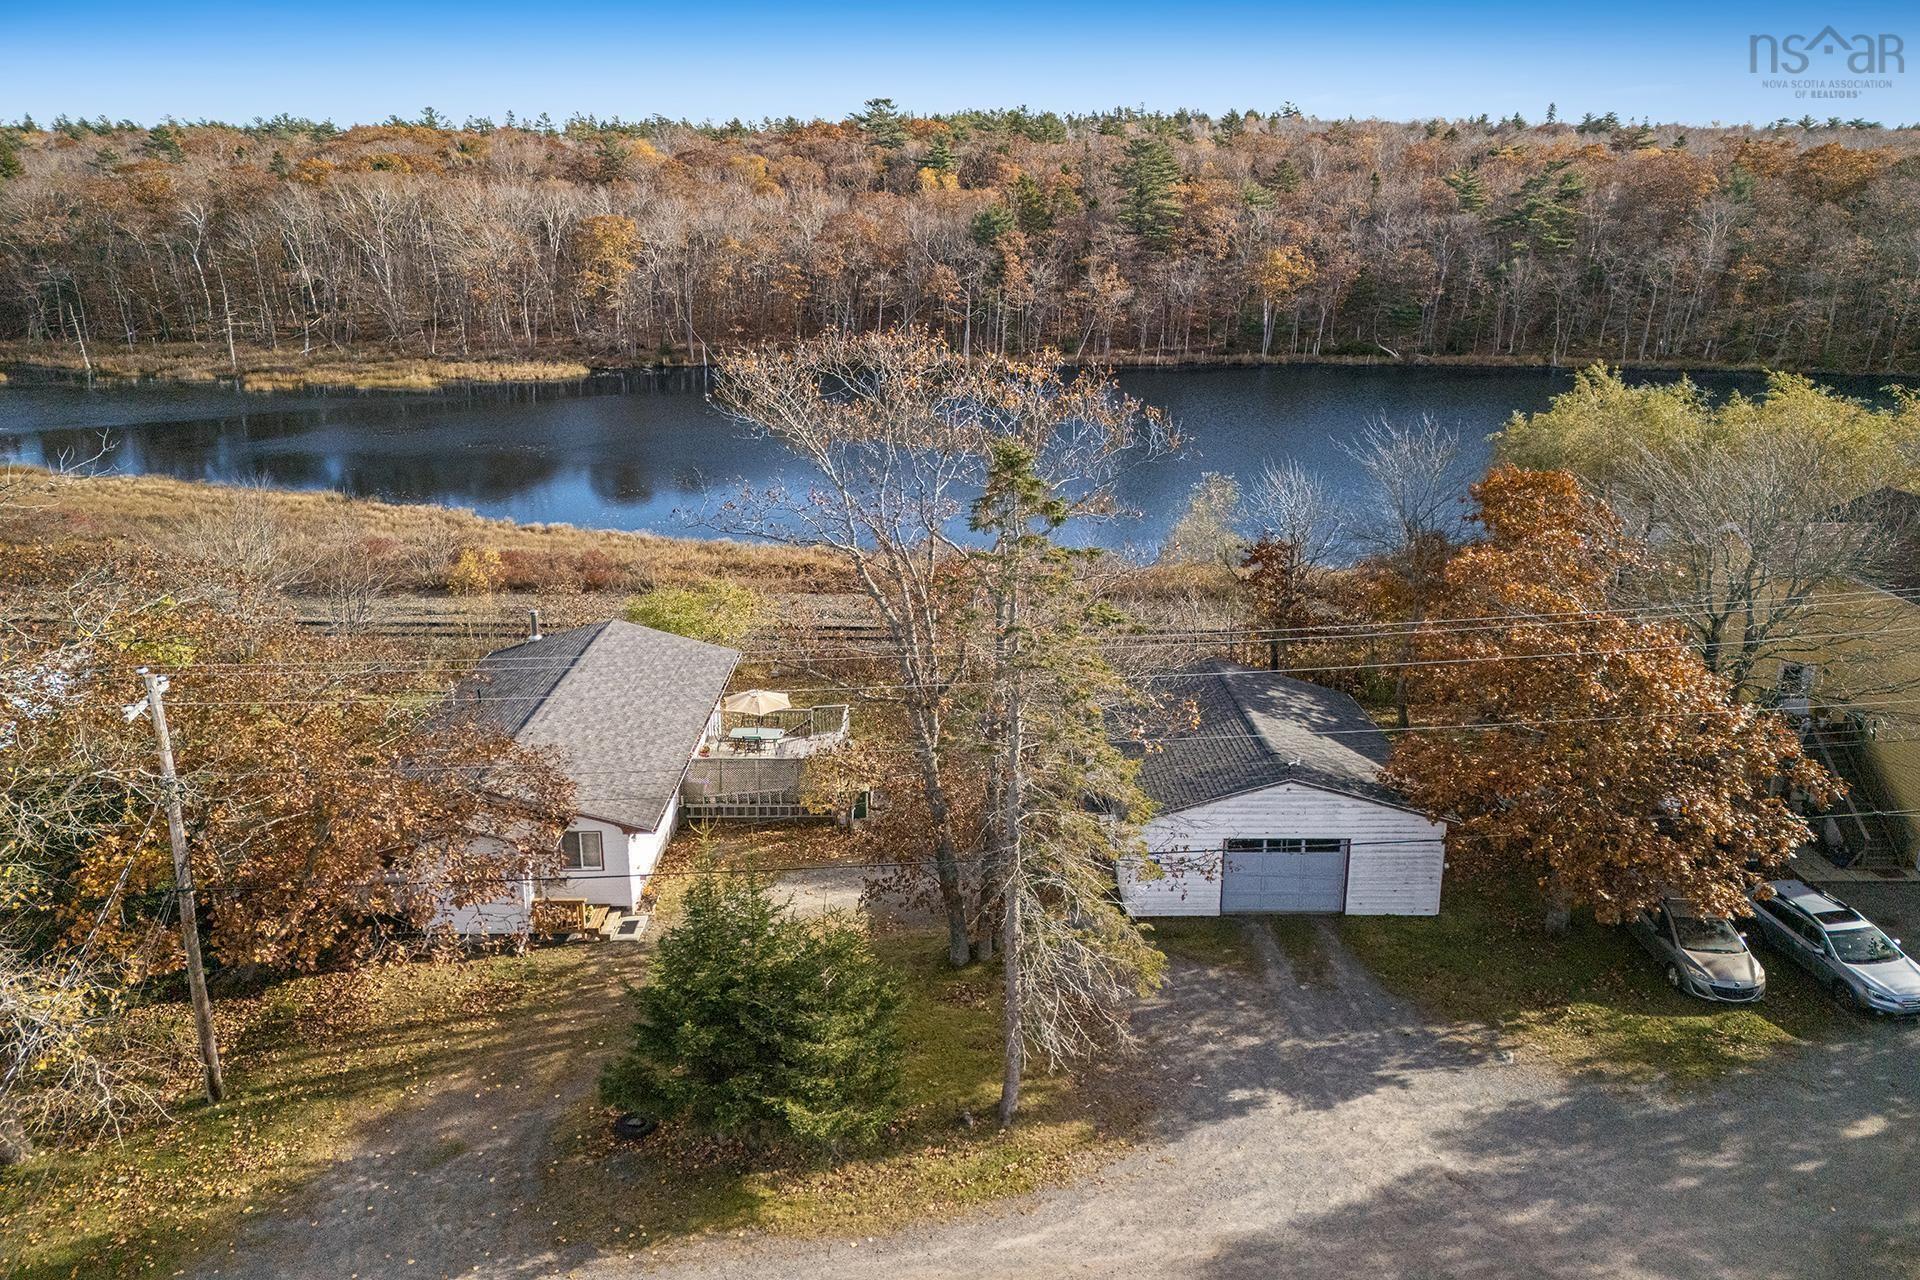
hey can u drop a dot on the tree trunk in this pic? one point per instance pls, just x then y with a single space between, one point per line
1015 1049
1015 1045
1559 918
15 1147
946 859
1012 803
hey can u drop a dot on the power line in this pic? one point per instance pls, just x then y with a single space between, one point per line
676 771
1327 633
1149 677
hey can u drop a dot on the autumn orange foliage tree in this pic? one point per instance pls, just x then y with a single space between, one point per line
1590 747
326 794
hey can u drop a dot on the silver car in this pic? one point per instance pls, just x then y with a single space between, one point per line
1704 956
1860 965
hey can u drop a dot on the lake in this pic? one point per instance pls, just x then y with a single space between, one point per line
645 450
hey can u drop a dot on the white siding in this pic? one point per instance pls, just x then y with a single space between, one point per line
645 847
508 915
1188 886
612 884
1394 867
629 857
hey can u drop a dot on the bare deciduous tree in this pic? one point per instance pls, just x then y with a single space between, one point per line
252 539
1413 509
891 470
1754 540
1290 504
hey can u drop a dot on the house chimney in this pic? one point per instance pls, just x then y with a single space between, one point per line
533 624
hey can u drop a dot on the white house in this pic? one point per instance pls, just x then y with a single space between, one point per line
624 709
1268 799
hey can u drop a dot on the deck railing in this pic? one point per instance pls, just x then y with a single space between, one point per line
804 731
828 721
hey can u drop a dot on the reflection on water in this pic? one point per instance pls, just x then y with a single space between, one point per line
645 450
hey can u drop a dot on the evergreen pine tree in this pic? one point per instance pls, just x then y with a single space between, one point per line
1472 192
1543 216
163 143
991 223
885 127
1150 208
940 154
1032 204
763 1026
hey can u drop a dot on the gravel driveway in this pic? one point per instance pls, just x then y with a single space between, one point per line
1328 1130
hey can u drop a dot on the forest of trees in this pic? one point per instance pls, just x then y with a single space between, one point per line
1119 236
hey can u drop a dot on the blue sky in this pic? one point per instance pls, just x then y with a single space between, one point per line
360 61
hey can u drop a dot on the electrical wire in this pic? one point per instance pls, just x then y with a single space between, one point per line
1149 677
1378 630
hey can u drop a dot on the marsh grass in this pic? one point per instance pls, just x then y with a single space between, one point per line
422 540
410 375
258 369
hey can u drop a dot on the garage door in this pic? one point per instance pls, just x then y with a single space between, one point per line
1284 875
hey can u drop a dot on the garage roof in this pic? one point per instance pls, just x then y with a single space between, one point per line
1243 729
623 707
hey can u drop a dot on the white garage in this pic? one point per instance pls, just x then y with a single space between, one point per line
1269 800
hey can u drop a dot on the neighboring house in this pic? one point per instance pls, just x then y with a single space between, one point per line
1870 642
625 709
1268 799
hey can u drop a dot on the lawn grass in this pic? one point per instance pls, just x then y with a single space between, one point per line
1592 1001
1220 942
307 1063
1300 941
769 849
933 1165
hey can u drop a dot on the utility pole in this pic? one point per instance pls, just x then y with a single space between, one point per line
183 885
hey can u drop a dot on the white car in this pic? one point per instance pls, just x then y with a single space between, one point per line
1853 959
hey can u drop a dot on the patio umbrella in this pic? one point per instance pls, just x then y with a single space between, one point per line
756 702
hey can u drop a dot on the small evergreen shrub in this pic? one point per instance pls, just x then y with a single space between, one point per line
762 1027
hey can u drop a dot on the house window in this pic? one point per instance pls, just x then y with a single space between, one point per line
581 851
1253 845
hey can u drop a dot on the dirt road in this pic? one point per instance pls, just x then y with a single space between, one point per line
1310 1130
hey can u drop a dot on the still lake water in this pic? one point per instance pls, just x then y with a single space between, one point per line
646 450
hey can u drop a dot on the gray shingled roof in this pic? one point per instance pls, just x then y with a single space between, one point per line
1253 729
622 706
